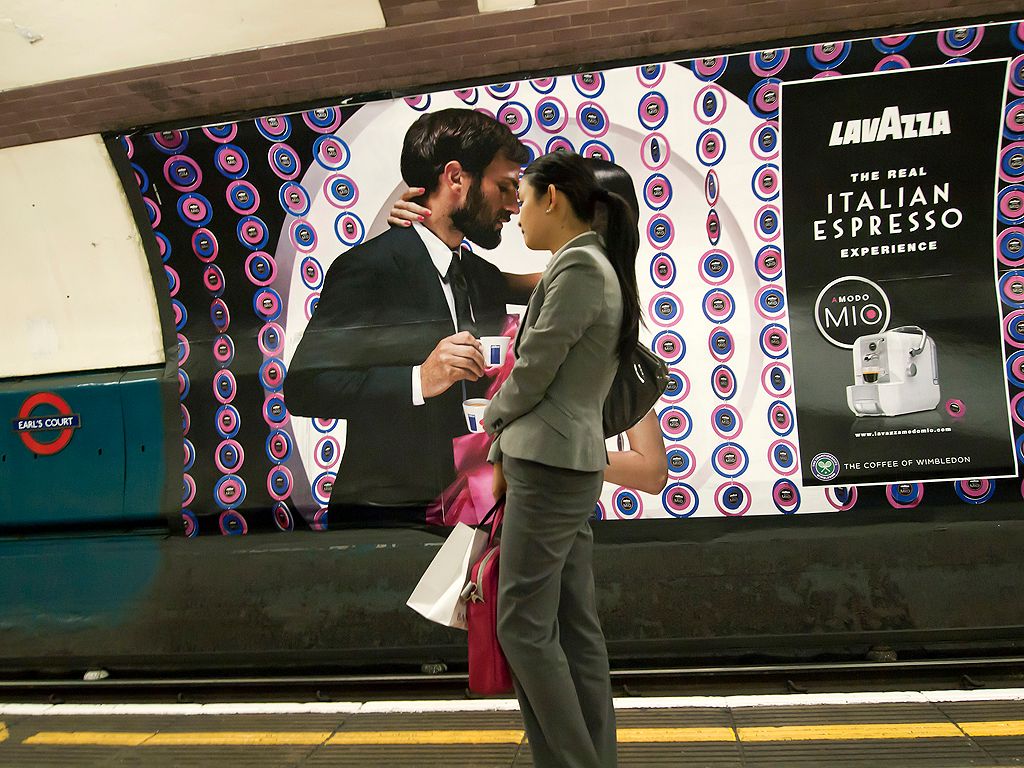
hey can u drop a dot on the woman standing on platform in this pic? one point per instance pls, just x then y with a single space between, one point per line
549 448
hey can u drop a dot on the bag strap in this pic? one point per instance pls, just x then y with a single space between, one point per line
493 518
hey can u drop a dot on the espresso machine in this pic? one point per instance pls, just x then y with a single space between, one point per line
894 372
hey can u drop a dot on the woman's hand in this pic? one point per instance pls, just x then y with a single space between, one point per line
498 485
404 212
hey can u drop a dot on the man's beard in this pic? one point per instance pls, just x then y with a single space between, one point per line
476 221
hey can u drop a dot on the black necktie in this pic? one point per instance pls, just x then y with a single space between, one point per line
456 278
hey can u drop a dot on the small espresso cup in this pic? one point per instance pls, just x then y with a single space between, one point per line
493 349
474 410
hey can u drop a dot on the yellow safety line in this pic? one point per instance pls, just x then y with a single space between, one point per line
237 739
849 732
3 732
674 735
426 737
92 738
994 728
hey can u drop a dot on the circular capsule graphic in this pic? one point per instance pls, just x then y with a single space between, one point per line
780 418
782 457
322 487
189 523
322 119
1017 408
325 426
231 161
763 98
232 523
302 236
711 187
718 305
552 116
975 491
242 197
660 232
163 244
153 212
272 374
711 147
709 68
184 350
294 198
1013 328
713 227
327 452
770 302
283 518
827 56
786 496
680 461
229 457
726 422
657 192
732 499
1010 205
677 387
227 421
892 43
213 280
675 423
128 146
274 411
542 85
271 339
1011 288
627 504
960 41
663 270
190 455
680 500
204 245
776 380
721 344
764 141
179 313
173 281
341 191
221 134
716 267
279 446
592 119
769 62
516 117
279 483
709 104
223 350
665 309
502 91
275 127
284 161
650 75
774 340
768 263
188 490
419 103
331 153
349 228
1014 372
182 173
652 110
559 144
194 209
260 268
1013 120
311 304
654 151
252 232
669 346
904 495
184 384
224 386
170 142
589 85
890 63
1016 81
319 520
1011 246
766 223
1011 162
765 183
267 304
841 497
723 382
186 421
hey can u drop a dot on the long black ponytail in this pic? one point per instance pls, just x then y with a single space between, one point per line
574 176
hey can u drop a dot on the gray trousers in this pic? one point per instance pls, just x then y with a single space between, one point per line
548 625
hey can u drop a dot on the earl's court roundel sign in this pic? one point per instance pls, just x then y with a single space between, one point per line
46 423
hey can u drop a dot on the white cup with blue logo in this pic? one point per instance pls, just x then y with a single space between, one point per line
493 349
474 410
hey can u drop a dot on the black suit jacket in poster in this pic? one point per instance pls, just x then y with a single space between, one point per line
381 312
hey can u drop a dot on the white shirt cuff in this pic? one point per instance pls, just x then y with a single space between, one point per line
417 387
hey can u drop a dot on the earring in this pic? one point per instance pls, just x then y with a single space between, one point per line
548 211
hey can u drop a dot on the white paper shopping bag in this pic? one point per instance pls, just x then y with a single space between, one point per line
438 596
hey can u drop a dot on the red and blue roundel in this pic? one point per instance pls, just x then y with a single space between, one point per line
194 209
232 523
681 461
657 192
252 232
331 153
782 457
763 98
270 339
718 305
229 492
669 346
312 273
231 161
589 85
680 500
786 496
652 110
274 127
229 457
260 268
322 119
294 198
677 388
665 309
776 380
770 302
170 142
765 182
709 68
221 134
730 460
592 119
732 499
711 147
223 350
780 418
721 344
279 446
1011 246
224 386
283 518
227 421
768 263
542 85
727 422
182 173
709 104
663 270
960 41
274 411
627 504
267 304
675 423
204 245
284 161
279 483
650 75
764 141
552 115
827 56
723 382
213 279
716 267
841 497
769 62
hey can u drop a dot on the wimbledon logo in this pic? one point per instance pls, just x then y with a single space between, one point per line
825 467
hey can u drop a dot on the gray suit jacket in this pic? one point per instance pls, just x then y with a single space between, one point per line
549 409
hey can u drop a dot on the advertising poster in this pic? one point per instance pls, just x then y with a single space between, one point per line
888 203
301 316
